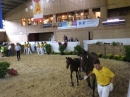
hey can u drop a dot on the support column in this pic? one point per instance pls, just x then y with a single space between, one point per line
90 13
103 9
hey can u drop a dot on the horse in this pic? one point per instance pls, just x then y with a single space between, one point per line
74 66
86 65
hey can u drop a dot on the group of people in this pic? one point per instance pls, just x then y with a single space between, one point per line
69 40
9 49
40 48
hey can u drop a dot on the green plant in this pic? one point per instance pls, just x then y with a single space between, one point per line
99 43
116 57
127 52
110 56
123 58
78 49
61 49
103 56
99 55
48 48
4 69
115 43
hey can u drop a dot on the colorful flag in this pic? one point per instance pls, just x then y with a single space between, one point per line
1 23
37 10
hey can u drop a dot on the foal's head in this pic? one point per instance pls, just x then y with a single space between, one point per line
68 62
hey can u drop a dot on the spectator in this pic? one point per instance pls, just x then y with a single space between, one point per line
2 50
76 39
65 38
10 50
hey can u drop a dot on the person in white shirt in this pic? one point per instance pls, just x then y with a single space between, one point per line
10 50
17 49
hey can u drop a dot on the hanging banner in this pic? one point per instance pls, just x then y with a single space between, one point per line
67 25
1 23
88 23
37 10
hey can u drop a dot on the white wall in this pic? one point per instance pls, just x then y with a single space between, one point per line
125 41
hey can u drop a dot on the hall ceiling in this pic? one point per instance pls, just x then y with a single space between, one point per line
8 5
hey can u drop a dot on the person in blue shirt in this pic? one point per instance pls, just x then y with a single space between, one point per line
17 49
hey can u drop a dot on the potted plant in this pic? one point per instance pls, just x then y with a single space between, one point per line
61 49
4 69
48 48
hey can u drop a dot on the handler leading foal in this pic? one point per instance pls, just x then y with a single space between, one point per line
74 66
86 65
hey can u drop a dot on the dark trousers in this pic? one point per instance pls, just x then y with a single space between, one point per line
18 55
10 53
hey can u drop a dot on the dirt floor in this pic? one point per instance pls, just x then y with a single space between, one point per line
47 76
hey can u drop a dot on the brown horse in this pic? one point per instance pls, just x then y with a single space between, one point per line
86 65
74 66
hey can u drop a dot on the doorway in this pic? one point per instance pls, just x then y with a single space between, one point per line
46 36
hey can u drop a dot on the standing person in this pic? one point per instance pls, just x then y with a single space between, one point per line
17 49
42 48
38 48
105 79
28 46
25 48
2 50
10 50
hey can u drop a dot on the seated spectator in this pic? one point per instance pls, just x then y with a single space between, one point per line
76 39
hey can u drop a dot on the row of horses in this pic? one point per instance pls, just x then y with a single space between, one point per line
82 64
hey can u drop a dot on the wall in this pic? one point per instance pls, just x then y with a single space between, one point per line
13 21
2 36
116 4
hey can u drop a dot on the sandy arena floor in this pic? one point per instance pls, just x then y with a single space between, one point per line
47 76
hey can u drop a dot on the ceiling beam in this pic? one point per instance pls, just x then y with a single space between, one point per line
6 6
9 3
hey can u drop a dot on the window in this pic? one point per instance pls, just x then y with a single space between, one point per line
23 22
61 17
48 19
86 14
79 15
71 16
96 13
118 11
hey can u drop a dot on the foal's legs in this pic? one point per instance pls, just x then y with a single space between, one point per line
88 80
71 78
77 74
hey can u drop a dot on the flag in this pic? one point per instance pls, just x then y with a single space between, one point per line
37 10
1 23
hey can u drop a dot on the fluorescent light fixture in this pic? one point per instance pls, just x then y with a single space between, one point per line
113 21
